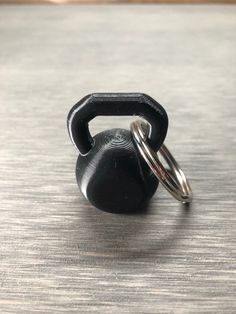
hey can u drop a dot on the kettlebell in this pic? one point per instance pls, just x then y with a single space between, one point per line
111 173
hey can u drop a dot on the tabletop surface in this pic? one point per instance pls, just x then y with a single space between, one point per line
58 253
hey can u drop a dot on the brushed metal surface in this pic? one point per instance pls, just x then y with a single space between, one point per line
59 254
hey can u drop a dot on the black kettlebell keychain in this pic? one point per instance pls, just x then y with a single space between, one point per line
118 170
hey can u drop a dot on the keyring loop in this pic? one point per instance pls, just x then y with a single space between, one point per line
174 180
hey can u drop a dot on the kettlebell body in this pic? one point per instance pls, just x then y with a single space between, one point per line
113 176
110 171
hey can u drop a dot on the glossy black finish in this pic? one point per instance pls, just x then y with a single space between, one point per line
116 104
110 171
113 176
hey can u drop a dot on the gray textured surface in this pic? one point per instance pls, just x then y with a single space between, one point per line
58 254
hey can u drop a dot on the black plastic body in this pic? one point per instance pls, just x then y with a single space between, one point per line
110 171
113 176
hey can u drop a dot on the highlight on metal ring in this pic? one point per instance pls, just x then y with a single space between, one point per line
174 180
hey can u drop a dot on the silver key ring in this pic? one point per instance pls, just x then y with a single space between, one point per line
174 180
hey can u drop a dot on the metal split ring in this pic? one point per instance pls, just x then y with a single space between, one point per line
174 180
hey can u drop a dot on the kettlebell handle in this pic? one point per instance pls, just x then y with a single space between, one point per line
116 104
